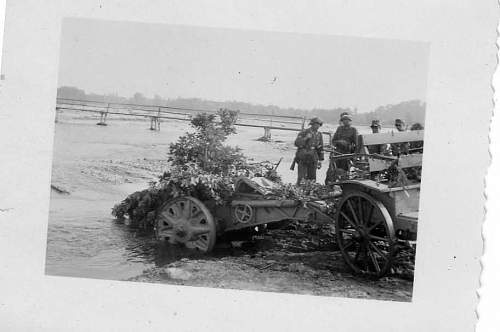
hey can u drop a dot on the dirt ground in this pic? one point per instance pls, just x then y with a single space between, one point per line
282 260
101 165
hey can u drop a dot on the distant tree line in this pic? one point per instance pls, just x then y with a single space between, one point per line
410 111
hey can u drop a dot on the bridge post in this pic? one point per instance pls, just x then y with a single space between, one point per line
155 123
102 120
155 120
104 116
267 133
158 117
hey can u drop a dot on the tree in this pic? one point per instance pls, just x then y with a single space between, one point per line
70 92
205 146
158 100
139 99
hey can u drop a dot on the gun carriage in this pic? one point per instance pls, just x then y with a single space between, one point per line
375 212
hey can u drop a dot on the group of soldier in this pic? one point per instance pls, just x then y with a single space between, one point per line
310 149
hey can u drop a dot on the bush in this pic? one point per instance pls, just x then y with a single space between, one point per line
205 146
202 167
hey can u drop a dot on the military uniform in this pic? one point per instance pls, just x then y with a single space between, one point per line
383 149
344 141
398 149
309 145
378 148
417 146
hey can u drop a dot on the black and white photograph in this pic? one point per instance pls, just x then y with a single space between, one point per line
237 159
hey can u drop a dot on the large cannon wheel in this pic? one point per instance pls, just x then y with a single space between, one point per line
365 234
186 220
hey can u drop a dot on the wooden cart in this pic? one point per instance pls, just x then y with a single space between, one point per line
376 218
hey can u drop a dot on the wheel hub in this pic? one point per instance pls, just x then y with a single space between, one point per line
181 232
363 232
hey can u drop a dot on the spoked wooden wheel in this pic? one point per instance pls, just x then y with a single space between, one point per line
186 220
365 234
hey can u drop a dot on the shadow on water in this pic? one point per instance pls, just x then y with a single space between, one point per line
141 245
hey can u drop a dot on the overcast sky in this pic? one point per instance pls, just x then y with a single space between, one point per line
284 69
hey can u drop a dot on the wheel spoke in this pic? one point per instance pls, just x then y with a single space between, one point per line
201 243
365 258
353 213
345 247
360 209
374 260
375 225
196 213
348 220
378 238
166 232
198 219
377 249
370 214
358 252
348 231
179 209
171 212
165 217
186 212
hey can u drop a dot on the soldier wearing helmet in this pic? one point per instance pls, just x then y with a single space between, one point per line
346 137
379 148
375 126
344 141
400 148
309 153
417 146
400 125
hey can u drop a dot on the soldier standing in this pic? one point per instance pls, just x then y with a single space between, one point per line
309 153
417 146
379 148
400 125
344 141
400 148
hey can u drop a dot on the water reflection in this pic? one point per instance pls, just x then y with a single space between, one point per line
142 246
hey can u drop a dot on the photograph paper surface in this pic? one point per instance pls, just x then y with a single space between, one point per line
177 163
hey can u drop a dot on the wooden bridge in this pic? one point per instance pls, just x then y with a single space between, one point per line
157 113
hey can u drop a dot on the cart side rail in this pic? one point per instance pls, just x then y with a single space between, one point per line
392 137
